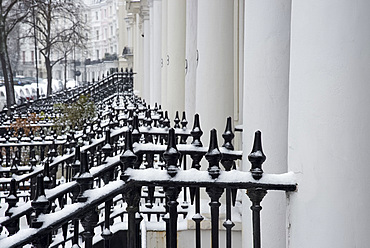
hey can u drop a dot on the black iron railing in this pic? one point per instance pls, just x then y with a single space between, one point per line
117 167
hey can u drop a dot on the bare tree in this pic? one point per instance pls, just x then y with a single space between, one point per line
58 23
12 12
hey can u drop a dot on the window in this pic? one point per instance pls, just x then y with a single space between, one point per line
97 15
105 13
97 34
111 30
32 56
24 56
97 54
106 33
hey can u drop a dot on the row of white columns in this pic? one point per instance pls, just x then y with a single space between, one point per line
304 83
306 87
187 58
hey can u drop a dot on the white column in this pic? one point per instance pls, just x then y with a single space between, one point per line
329 124
130 36
146 54
191 59
164 54
266 95
215 74
156 37
138 82
176 57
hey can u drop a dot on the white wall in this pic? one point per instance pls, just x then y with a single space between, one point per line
266 63
329 124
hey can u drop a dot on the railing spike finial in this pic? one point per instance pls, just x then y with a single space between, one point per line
13 188
40 189
128 157
148 119
196 132
107 148
184 122
84 178
84 167
166 121
257 157
213 156
228 135
177 120
135 129
171 155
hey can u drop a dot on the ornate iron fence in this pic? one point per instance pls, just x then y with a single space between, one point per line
117 167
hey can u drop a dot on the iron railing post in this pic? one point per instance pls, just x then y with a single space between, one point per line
213 157
256 157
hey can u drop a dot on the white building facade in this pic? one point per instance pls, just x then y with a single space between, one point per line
106 39
297 71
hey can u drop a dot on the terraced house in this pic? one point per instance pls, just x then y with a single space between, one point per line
295 70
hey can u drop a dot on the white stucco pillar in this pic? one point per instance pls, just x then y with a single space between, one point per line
176 57
164 54
130 27
215 73
266 95
329 124
146 53
138 53
191 59
156 46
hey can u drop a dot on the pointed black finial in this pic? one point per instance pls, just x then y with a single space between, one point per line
128 158
84 167
40 189
177 120
107 148
228 135
171 155
213 156
13 189
196 132
166 121
148 119
84 179
184 122
47 179
135 129
257 157
76 163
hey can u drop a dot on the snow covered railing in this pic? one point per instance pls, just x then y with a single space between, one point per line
127 165
214 180
117 81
